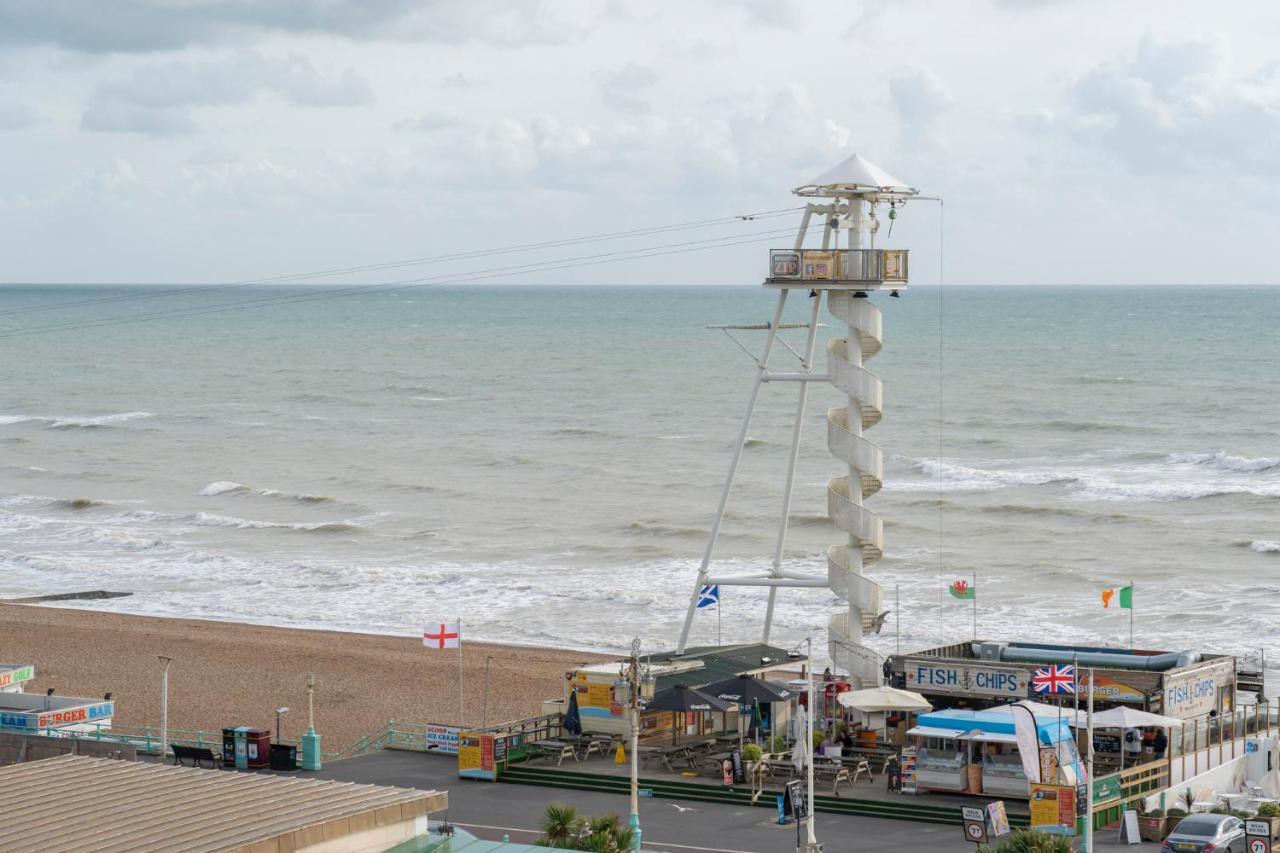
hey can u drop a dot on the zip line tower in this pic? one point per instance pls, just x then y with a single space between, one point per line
848 199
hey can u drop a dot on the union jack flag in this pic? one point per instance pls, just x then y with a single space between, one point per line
1054 679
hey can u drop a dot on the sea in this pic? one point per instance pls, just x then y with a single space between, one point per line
542 463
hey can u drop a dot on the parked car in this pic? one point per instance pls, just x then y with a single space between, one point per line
1206 833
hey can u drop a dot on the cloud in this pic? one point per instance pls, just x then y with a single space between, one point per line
117 117
783 14
919 98
138 26
1175 108
428 122
158 97
625 88
16 117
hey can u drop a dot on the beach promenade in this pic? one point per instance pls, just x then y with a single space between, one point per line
230 674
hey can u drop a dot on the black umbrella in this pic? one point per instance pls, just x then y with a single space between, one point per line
682 697
743 690
572 720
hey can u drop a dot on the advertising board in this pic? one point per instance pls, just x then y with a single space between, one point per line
925 676
442 738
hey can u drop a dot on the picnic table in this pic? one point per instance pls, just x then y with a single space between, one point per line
665 754
554 747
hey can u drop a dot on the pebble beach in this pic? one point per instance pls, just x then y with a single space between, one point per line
227 674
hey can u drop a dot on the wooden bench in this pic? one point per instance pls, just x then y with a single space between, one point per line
197 754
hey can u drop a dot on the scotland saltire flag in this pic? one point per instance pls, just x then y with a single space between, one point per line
1054 679
709 596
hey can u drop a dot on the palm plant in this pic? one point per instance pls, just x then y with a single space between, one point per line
561 826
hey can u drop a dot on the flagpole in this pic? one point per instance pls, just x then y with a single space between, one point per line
461 715
975 607
1130 614
719 621
897 618
1088 785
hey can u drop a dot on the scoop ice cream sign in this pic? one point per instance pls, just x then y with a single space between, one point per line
974 680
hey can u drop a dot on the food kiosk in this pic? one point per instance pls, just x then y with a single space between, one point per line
976 752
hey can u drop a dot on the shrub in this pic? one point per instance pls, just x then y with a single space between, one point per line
751 752
1027 841
777 743
1177 812
819 738
1269 810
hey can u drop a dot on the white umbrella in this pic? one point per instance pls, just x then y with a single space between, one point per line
802 728
1124 717
875 699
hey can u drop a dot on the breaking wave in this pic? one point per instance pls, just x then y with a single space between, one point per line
228 487
1223 461
75 421
207 519
1263 546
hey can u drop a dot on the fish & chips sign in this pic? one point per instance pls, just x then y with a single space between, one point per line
925 676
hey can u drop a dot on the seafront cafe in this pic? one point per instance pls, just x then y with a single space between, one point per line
55 715
601 713
1184 684
976 752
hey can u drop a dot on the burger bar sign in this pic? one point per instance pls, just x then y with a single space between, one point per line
925 676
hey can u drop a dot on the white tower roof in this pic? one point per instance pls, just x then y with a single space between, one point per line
856 175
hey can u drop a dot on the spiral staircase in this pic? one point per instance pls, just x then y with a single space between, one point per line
865 477
846 199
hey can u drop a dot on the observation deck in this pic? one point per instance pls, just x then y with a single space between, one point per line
838 269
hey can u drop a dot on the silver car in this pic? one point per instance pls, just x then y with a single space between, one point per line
1206 833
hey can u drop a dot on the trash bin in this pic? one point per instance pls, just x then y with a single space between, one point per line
284 756
259 744
229 747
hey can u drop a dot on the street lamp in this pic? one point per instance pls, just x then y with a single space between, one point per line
811 842
632 689
280 712
164 703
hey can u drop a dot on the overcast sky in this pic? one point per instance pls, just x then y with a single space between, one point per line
215 140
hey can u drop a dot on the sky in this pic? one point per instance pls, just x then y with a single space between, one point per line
1074 141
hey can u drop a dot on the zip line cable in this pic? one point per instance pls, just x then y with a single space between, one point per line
409 284
479 253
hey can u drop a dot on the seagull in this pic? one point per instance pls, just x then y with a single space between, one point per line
681 809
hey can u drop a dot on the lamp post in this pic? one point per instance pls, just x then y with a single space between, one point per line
164 703
811 839
311 740
632 689
280 712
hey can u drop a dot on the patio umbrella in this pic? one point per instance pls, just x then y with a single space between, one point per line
572 719
875 699
1124 717
802 725
685 699
1131 718
745 690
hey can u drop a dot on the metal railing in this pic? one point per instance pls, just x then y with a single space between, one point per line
869 265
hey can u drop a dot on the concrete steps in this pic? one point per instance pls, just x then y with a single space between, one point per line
737 795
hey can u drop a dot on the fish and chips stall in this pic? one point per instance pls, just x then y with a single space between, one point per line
976 752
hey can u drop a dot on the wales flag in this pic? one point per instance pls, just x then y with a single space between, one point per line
962 590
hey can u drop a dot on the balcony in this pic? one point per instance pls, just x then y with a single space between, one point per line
839 269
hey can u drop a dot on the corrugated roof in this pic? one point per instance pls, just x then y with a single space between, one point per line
721 662
75 803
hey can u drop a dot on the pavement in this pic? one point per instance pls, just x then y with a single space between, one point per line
493 809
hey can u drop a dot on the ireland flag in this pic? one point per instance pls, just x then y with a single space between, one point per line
1126 597
962 590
